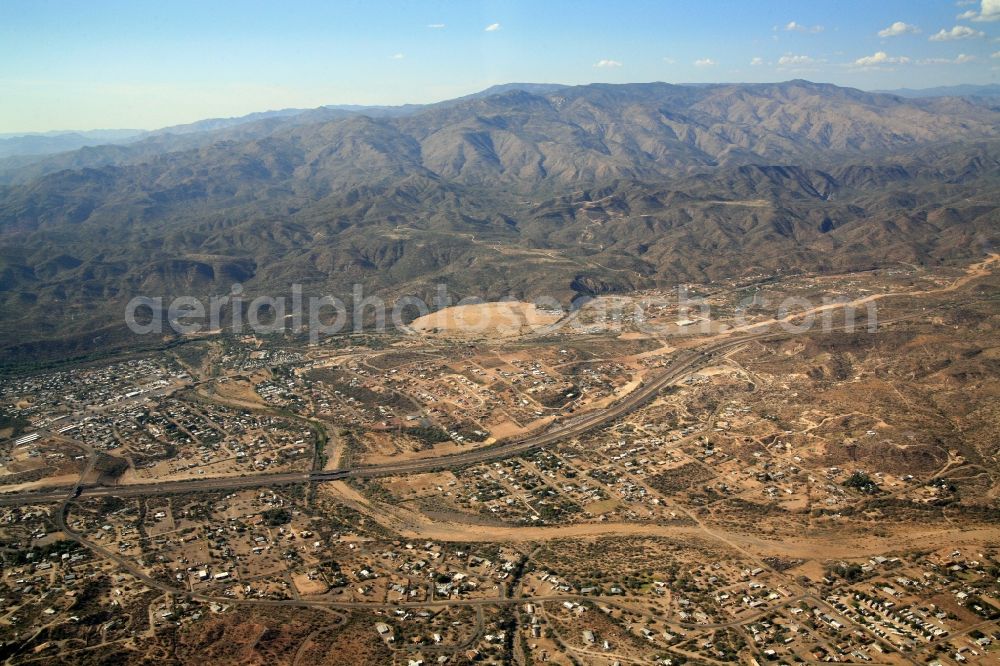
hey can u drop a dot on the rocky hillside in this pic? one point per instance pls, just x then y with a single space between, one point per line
555 189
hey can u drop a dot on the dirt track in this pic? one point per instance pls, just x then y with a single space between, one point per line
842 543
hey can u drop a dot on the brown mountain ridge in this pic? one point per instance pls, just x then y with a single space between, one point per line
626 186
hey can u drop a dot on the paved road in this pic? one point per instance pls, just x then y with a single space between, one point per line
685 362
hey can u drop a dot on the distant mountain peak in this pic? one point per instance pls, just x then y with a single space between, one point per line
959 90
532 88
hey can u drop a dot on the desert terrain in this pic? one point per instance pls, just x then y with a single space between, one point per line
611 489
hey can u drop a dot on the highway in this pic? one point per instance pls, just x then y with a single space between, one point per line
686 362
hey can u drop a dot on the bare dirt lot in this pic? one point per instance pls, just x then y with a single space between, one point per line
485 320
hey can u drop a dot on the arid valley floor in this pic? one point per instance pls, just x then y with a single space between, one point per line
596 489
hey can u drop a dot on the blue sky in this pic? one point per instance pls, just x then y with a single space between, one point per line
110 63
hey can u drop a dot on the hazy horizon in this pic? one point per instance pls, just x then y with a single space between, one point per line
138 130
119 65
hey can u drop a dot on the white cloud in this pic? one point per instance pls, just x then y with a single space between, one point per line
996 55
705 62
789 59
880 58
899 28
492 27
607 64
958 32
961 59
756 61
435 26
669 61
989 10
397 56
792 26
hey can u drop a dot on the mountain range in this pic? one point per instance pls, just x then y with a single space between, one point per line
29 146
521 190
960 90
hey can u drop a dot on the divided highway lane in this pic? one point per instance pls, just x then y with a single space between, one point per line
686 362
